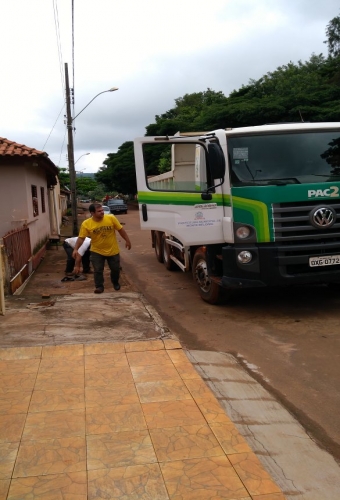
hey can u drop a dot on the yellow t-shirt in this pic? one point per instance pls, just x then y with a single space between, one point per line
102 234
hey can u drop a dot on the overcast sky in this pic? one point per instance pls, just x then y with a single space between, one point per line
153 50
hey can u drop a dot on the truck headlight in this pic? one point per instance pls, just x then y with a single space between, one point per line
244 257
242 232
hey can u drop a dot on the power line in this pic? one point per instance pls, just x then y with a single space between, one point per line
57 30
61 151
49 135
73 83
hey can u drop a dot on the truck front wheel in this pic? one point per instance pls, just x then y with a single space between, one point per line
208 289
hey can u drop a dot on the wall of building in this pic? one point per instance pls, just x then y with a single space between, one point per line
13 198
16 204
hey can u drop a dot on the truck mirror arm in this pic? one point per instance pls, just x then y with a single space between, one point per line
206 195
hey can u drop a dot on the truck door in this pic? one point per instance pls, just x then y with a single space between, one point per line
177 191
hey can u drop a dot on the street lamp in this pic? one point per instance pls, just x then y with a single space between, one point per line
70 147
110 90
81 157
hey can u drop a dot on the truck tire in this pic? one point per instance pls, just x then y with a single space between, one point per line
208 290
157 240
166 251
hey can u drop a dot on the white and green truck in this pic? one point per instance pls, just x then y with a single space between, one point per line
244 207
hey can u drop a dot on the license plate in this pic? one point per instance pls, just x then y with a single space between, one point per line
328 260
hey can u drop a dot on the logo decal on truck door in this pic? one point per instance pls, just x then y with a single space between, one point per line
332 192
205 205
198 222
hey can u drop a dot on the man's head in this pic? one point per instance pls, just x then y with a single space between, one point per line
96 210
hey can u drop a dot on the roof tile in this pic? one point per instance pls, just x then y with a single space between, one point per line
10 148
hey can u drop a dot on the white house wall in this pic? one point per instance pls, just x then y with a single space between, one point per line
16 201
13 199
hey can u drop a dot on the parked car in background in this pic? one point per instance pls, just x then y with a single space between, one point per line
106 209
117 206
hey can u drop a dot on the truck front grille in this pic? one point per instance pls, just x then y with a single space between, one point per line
297 240
291 222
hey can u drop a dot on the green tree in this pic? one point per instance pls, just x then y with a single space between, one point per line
85 184
98 193
333 37
188 113
118 170
64 177
303 91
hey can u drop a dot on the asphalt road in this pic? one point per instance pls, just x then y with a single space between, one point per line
287 339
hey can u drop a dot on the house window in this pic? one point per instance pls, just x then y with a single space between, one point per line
42 193
35 201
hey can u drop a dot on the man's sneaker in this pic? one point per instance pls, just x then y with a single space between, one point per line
116 286
99 290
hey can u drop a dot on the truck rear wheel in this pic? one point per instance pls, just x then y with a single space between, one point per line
166 250
158 246
208 289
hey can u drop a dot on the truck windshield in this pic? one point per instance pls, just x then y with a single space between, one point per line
290 158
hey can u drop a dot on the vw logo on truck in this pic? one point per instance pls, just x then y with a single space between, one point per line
322 217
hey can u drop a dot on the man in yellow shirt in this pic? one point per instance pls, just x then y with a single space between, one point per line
104 246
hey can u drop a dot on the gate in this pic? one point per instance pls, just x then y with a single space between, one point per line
18 252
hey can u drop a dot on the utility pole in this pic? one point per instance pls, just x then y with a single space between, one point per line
70 149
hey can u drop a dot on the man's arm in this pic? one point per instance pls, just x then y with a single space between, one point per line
124 235
77 264
78 244
85 246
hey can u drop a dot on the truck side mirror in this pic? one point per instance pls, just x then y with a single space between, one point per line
216 161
